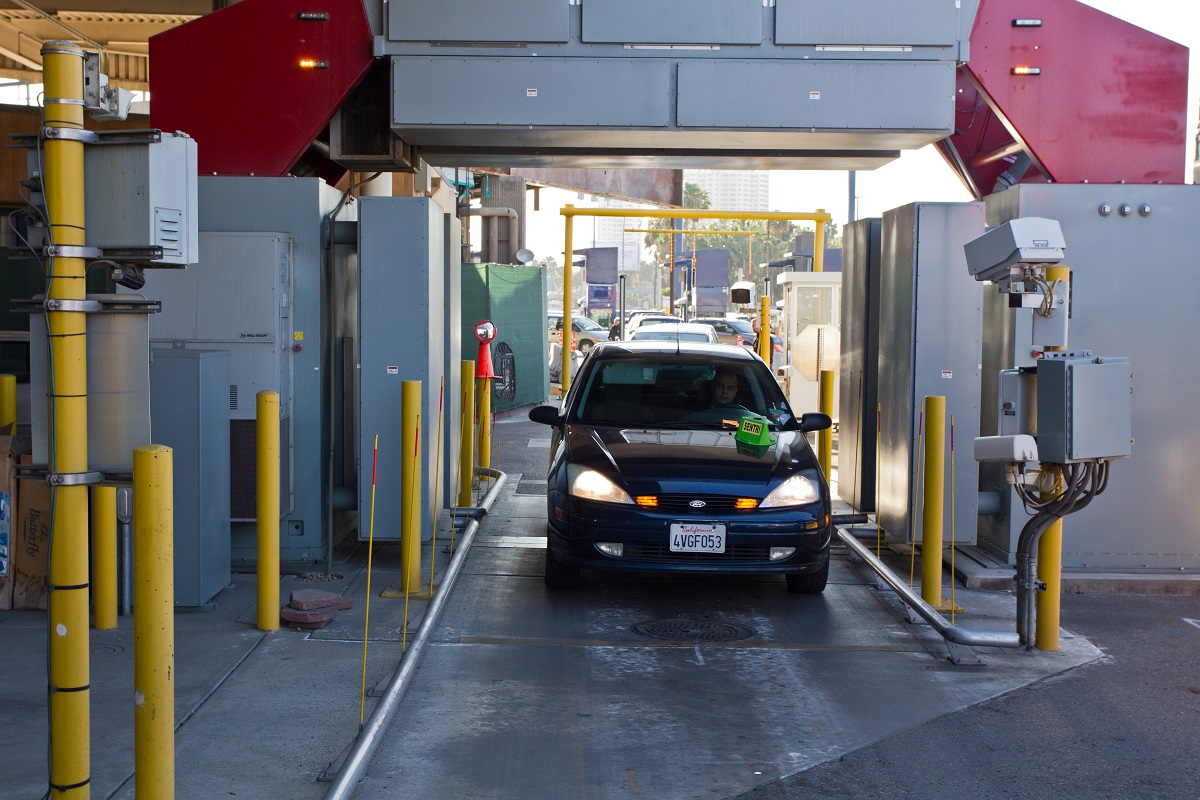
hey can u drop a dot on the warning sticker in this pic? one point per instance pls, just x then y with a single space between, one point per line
393 370
814 95
947 373
531 92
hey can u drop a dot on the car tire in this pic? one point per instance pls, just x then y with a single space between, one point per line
808 582
559 575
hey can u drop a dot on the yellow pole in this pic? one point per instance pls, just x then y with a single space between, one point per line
484 401
8 405
568 306
466 450
1049 555
104 557
410 488
362 695
825 437
267 427
69 666
764 330
931 522
154 623
819 245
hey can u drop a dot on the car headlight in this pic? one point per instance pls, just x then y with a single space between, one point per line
591 485
795 491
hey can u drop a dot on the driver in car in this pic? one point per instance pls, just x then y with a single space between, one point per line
724 388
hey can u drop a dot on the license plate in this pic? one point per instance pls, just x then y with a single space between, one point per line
697 537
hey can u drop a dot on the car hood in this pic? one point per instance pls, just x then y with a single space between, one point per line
686 461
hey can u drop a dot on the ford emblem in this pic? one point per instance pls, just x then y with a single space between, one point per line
697 504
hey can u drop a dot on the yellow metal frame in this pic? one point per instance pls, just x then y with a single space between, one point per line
569 212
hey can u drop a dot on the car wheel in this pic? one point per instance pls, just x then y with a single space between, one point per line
809 582
585 345
558 574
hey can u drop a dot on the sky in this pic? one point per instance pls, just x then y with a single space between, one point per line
919 175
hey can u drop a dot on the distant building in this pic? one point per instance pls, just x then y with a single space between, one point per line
732 190
610 232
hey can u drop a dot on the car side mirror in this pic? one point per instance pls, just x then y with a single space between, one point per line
548 415
811 421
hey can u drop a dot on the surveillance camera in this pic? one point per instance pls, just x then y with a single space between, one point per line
129 276
1015 247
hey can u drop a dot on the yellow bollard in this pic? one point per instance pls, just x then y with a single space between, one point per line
68 651
764 330
484 400
154 623
819 245
267 510
568 306
410 489
104 557
1049 551
825 437
934 497
466 450
8 405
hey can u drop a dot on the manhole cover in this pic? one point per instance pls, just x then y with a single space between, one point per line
106 649
693 630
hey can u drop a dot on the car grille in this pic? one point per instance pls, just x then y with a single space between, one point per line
678 504
660 551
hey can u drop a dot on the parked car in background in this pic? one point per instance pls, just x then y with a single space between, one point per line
729 331
651 472
587 331
655 318
676 332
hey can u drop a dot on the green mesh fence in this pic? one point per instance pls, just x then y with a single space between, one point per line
514 298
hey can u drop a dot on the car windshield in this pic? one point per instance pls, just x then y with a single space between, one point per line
588 324
670 390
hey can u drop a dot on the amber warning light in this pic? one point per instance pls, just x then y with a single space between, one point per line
312 63
1026 71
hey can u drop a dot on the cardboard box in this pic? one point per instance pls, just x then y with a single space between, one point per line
8 497
32 548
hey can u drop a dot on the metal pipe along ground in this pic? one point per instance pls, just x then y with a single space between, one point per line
368 739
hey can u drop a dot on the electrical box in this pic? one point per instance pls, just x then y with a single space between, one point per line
1085 407
143 194
1017 406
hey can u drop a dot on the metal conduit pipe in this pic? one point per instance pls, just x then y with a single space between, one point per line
950 633
990 504
368 739
490 213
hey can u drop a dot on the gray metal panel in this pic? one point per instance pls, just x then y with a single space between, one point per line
859 375
673 21
452 365
475 21
400 250
862 95
930 342
530 91
189 400
293 206
1147 517
867 22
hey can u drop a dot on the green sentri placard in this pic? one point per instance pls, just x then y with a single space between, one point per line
754 430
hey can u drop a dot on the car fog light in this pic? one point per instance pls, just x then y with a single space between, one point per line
780 553
615 549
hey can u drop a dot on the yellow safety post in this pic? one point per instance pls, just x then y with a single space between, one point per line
466 450
154 623
825 437
568 307
267 509
362 695
104 557
764 330
410 490
8 405
484 400
68 652
934 498
1049 554
819 245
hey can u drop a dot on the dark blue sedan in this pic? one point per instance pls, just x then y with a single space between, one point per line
684 458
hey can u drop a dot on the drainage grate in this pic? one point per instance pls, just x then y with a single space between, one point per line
693 630
531 487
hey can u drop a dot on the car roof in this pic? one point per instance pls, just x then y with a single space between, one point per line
648 348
